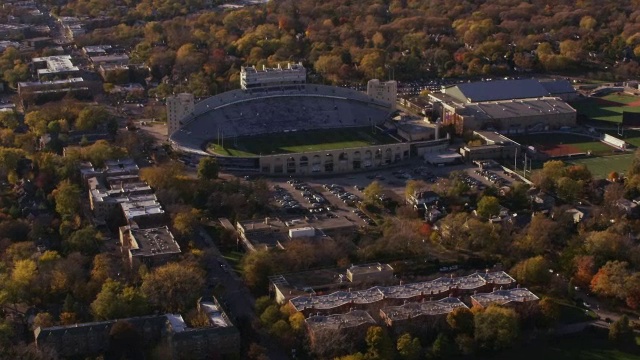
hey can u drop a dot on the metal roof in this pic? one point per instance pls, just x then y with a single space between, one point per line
499 90
557 87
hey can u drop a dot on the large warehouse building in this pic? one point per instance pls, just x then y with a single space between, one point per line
506 106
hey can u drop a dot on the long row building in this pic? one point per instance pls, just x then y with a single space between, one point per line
411 307
216 338
380 296
117 193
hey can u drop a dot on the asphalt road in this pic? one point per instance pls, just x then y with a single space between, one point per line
237 300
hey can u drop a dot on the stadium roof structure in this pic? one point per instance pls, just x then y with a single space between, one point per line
497 90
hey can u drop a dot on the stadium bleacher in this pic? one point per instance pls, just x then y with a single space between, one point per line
240 113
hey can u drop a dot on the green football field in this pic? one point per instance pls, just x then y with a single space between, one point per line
301 141
601 166
607 108
558 144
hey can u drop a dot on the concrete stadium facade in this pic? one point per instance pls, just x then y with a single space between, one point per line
335 161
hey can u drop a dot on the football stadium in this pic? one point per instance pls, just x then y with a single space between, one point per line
278 124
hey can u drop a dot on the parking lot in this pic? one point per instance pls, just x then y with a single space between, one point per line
340 195
294 196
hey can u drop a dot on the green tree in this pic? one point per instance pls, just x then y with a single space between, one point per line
532 271
621 332
553 170
86 241
356 356
262 303
9 119
372 192
67 198
23 276
379 344
568 189
256 267
185 224
43 320
116 300
9 158
102 150
496 328
488 206
461 320
372 64
328 66
174 287
208 168
37 122
104 267
91 117
550 311
414 186
540 236
443 347
409 347
606 245
270 315
611 279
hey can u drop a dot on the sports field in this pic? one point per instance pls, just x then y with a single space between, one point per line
301 141
630 136
561 144
609 107
602 166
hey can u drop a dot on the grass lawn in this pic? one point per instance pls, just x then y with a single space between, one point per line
233 258
621 98
571 314
597 111
548 140
601 166
301 141
587 345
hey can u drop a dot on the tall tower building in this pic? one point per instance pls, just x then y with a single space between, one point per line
178 106
384 91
